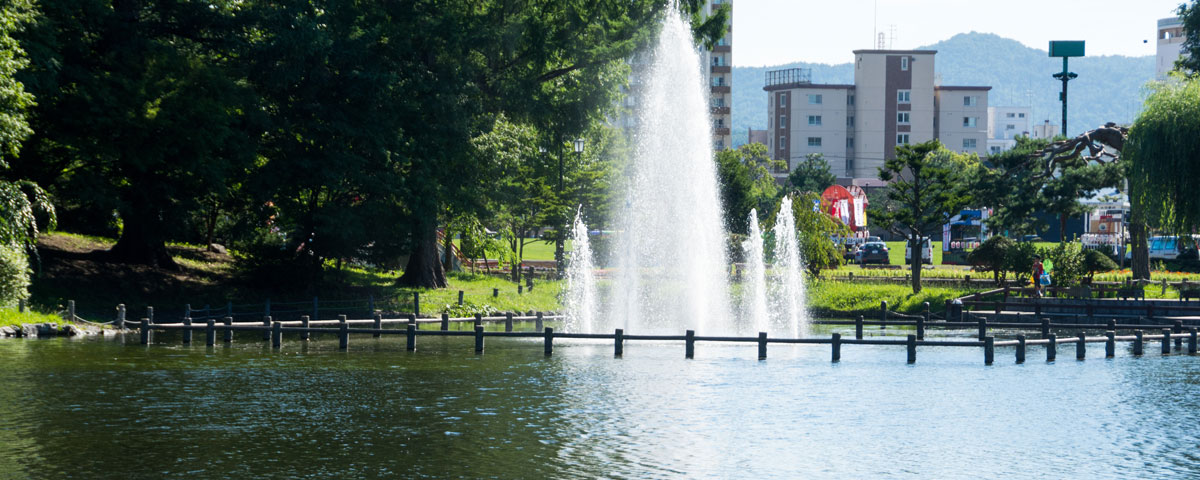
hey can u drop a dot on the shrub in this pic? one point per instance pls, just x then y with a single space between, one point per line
1068 263
1095 261
1019 260
14 275
992 256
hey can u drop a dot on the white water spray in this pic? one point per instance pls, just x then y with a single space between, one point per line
790 317
754 282
581 280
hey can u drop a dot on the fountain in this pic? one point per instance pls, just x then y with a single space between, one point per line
789 281
671 245
581 280
754 293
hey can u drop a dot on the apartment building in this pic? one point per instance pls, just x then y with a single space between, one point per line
719 61
894 101
1045 130
1170 45
1005 124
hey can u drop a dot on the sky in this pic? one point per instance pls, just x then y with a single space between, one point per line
773 32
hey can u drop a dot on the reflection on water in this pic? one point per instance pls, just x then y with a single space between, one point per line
100 409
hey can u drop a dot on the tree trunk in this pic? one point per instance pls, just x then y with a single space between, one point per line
210 228
915 262
1062 228
1140 263
521 257
142 241
447 250
423 269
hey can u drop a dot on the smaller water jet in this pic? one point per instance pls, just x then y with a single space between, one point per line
789 302
754 298
581 279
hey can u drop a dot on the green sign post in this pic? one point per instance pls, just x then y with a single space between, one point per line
1065 49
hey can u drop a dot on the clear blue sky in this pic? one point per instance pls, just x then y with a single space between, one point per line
772 32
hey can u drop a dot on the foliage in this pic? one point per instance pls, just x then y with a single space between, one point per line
1094 261
848 298
745 183
1161 156
811 174
992 255
14 275
1189 62
815 234
1077 179
925 189
1019 260
1068 263
14 100
1010 188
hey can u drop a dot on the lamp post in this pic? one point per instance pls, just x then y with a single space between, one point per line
1065 49
577 145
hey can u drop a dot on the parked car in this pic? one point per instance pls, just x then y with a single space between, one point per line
872 252
926 252
1169 248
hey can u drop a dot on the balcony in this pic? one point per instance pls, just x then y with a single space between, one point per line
721 69
721 131
721 89
719 110
722 48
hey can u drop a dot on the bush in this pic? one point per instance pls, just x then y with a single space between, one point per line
1068 263
14 275
1095 261
992 256
1019 260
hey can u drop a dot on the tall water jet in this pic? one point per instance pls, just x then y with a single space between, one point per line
581 280
754 282
789 304
671 244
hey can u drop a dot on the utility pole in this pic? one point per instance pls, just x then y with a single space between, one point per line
1065 49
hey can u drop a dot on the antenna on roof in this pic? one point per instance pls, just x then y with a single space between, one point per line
882 45
875 24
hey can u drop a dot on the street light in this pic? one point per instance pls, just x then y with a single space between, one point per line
579 145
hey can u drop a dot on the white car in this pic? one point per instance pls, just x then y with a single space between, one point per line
926 251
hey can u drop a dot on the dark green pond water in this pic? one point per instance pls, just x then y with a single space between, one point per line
99 408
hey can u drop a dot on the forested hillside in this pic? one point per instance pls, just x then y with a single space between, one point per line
1108 87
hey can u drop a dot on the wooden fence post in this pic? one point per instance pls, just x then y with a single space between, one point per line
412 320
276 334
858 328
228 336
1192 341
689 348
121 316
508 321
989 350
478 338
495 292
1051 347
883 314
410 337
21 305
478 320
911 343
228 309
836 346
187 331
1137 342
343 333
187 310
618 342
1110 344
267 332
378 325
1045 328
538 323
520 289
460 298
70 311
1112 324
1178 330
210 333
150 314
762 345
304 321
145 331
982 327
1166 341
1081 347
1021 348
445 321
549 341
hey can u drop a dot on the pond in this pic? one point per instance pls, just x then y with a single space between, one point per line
101 408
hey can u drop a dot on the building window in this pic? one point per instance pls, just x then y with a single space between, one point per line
850 121
904 63
902 139
1010 115
783 121
849 142
783 100
1021 115
968 121
815 99
969 144
902 118
719 123
814 120
719 145
814 141
1010 127
995 149
782 143
903 96
849 99
970 101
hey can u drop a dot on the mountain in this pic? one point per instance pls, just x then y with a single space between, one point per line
1109 88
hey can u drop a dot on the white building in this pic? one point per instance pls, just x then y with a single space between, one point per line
1170 45
1005 124
1045 130
894 101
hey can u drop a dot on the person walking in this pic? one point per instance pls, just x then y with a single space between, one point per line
1038 271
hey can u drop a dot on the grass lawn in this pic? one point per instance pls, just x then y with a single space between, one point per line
10 317
539 250
827 297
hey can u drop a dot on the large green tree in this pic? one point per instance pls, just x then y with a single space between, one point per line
745 182
1162 157
811 174
925 188
137 111
1190 61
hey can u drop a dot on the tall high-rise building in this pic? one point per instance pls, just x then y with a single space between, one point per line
719 68
1170 45
894 100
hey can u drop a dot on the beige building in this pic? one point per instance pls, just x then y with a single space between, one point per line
1170 45
719 61
893 101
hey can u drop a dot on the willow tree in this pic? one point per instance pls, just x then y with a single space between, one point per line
1163 158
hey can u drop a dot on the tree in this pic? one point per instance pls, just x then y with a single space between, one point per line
816 230
926 188
745 182
1094 262
138 111
992 255
812 174
1011 189
1189 62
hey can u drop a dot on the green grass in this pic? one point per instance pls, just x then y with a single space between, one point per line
539 250
10 317
832 297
